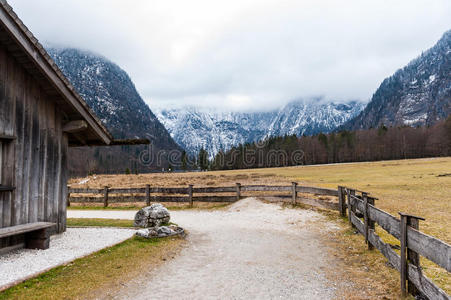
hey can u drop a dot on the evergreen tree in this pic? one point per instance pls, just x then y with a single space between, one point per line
184 161
203 159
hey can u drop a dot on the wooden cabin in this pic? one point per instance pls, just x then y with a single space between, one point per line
41 115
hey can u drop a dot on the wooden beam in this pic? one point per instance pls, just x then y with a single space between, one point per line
7 137
6 188
80 138
75 126
129 142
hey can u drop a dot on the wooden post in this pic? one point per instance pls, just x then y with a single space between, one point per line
294 192
348 192
412 257
68 198
238 191
408 220
147 194
353 207
342 201
350 206
371 224
105 196
365 216
190 195
403 266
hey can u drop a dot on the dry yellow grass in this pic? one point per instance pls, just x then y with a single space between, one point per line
411 186
223 178
420 187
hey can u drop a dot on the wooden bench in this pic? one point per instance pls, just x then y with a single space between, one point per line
37 235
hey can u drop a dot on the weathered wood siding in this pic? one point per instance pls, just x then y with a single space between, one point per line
35 162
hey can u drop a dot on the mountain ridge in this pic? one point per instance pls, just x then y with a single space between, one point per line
214 130
111 94
416 95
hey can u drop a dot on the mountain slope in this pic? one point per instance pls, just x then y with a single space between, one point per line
418 94
111 94
310 118
214 130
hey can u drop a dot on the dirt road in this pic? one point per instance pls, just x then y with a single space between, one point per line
251 250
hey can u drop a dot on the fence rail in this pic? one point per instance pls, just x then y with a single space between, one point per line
363 215
188 194
357 205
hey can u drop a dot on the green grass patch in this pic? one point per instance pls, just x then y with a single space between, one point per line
105 270
105 208
75 222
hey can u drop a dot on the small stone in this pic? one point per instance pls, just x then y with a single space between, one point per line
147 233
160 232
164 231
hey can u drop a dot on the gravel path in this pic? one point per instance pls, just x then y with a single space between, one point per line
74 243
252 250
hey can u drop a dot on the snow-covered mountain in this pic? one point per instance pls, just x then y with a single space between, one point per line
194 128
416 95
111 94
312 117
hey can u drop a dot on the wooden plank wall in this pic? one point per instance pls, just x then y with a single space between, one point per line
35 162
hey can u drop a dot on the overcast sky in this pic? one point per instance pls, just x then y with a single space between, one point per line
245 54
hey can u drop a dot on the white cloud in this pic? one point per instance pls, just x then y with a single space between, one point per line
246 54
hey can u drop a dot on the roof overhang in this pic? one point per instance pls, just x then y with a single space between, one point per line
26 49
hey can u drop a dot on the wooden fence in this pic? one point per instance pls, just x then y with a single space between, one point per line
363 215
357 205
204 194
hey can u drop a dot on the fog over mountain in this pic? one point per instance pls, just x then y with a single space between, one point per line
245 54
214 130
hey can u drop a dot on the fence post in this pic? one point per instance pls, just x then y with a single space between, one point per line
294 192
68 198
371 224
412 221
348 192
147 194
341 201
350 206
403 266
105 196
190 195
365 217
238 191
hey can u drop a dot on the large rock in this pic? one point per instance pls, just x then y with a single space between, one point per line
152 216
159 232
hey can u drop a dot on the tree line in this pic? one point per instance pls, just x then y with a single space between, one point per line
383 143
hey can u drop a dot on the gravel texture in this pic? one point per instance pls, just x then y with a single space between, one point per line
74 243
251 250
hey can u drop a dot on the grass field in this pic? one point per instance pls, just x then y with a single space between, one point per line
421 187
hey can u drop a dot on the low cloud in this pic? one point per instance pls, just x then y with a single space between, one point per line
247 54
